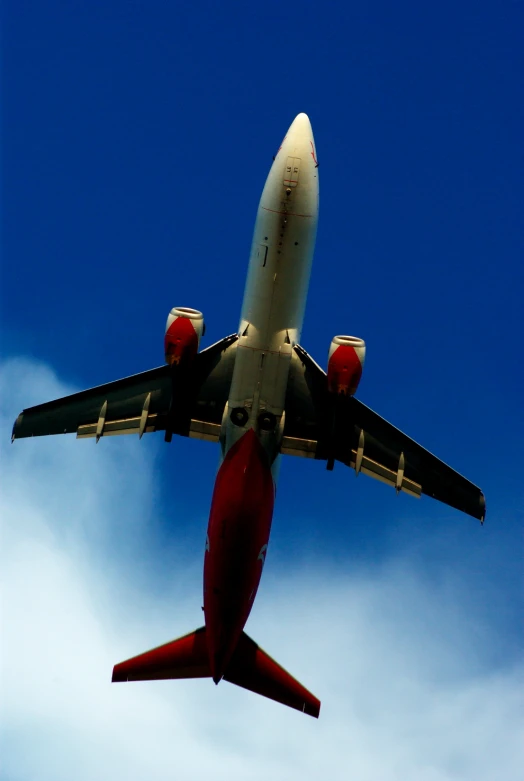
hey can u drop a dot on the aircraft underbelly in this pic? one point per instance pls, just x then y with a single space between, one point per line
275 296
236 544
253 419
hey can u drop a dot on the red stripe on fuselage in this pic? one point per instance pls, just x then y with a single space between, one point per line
238 533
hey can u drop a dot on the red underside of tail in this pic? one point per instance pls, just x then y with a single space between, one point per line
250 667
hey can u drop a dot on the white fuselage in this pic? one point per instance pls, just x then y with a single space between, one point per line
276 290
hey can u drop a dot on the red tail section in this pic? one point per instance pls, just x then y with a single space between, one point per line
253 669
186 657
250 667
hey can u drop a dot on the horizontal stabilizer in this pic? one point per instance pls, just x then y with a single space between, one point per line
186 657
253 669
250 667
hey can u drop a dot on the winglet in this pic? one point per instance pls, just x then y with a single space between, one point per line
15 424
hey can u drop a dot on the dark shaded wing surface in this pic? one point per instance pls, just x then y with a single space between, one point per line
153 400
124 399
320 426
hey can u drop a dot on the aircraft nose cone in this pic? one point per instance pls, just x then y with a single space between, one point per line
300 124
302 118
299 136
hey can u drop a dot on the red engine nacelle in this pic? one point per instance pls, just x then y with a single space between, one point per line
345 362
184 329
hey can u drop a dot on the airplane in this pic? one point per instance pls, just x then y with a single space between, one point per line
260 395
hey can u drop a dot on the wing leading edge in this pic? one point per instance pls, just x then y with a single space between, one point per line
341 428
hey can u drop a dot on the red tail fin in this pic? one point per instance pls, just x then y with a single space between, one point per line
250 667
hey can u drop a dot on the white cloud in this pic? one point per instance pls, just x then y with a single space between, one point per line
403 672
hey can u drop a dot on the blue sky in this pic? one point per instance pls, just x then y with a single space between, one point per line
136 141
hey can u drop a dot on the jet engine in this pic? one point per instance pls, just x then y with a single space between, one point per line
184 329
345 362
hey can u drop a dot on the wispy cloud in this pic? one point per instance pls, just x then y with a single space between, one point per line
403 672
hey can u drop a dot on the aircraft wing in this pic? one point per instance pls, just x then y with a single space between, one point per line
318 425
189 402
